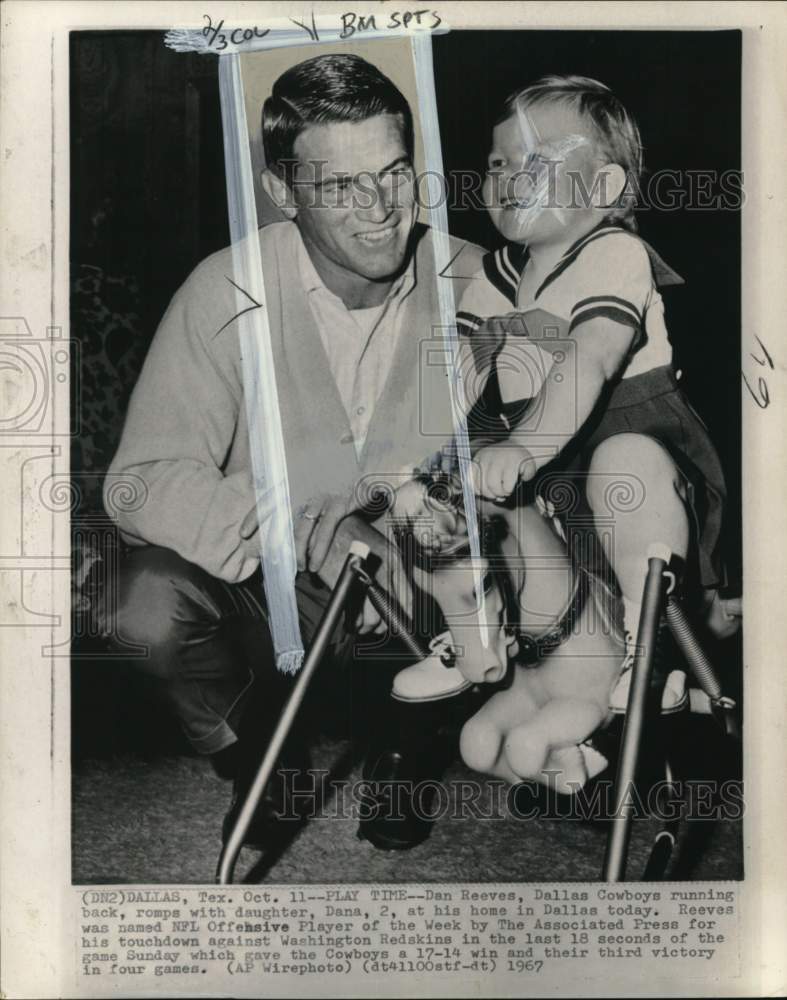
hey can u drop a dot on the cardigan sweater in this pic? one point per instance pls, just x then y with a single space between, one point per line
185 443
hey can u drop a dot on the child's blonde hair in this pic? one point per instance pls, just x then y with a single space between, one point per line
616 131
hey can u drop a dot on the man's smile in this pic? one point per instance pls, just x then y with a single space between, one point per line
378 237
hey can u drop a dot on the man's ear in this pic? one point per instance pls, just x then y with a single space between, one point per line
279 193
608 186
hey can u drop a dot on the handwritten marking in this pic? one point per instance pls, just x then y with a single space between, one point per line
312 32
254 305
220 38
445 273
237 36
352 22
762 396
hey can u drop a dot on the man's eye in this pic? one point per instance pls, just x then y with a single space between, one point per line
397 176
496 163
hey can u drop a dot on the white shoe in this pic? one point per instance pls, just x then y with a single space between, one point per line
431 679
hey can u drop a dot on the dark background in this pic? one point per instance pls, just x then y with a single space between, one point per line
149 202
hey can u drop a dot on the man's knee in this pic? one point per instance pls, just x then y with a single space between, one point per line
624 468
151 601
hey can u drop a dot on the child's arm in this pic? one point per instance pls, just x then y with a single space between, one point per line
605 303
602 345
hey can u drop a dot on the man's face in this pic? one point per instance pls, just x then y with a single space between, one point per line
529 191
353 188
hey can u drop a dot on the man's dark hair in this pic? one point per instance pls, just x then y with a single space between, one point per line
322 90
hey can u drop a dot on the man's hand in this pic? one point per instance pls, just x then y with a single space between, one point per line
314 528
390 574
497 469
323 533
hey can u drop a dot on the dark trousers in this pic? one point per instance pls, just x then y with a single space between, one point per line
208 641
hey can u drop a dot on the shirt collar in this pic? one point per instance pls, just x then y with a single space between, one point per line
313 283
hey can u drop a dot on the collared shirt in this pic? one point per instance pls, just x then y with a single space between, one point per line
359 343
607 272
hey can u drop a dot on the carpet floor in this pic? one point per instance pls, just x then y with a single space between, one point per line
139 820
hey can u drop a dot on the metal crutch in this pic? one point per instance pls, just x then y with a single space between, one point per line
616 854
231 848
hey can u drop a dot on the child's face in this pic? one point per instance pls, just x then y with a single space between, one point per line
542 159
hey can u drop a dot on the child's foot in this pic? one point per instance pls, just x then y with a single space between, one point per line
674 696
724 616
431 679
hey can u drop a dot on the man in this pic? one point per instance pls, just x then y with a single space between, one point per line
351 293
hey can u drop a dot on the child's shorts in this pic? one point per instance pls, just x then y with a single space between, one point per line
654 405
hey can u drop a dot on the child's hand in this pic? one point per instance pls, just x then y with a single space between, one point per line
497 469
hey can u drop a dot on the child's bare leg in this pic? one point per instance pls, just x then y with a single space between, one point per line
660 517
553 733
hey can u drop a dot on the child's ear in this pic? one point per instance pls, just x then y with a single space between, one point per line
279 193
609 185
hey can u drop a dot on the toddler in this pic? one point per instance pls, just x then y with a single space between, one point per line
565 324
569 317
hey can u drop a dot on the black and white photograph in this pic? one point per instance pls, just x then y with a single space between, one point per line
391 565
599 381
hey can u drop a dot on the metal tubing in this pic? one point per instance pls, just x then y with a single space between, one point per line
386 609
723 708
665 840
620 831
660 856
330 618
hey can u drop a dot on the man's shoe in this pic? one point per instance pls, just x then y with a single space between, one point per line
276 815
398 811
402 769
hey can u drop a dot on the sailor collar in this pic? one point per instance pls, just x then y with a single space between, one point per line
504 267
